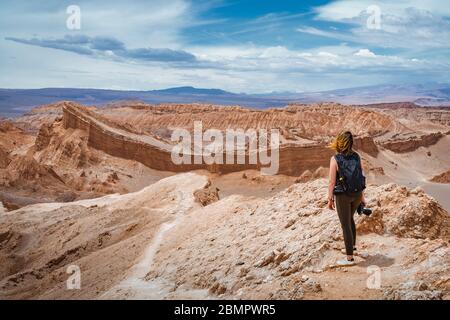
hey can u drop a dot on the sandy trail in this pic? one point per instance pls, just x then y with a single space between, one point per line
134 286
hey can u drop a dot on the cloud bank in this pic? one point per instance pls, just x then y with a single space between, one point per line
233 45
108 47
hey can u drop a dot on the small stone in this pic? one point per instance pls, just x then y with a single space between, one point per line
284 265
422 286
317 271
249 277
313 285
290 223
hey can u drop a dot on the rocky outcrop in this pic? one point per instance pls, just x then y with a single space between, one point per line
7 126
405 213
4 159
63 148
44 136
207 195
413 143
27 169
442 178
366 144
412 290
12 137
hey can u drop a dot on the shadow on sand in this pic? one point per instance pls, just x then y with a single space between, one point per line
378 260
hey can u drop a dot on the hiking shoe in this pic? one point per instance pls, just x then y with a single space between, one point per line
345 263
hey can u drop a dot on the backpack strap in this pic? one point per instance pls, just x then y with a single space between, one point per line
338 158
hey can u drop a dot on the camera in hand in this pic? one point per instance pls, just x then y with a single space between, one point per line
363 210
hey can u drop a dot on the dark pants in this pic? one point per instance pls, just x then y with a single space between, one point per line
346 206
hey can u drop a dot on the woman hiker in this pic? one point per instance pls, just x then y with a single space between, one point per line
345 191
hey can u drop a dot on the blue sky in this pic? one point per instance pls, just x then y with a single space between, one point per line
241 46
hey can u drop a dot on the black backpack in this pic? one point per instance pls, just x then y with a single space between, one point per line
349 178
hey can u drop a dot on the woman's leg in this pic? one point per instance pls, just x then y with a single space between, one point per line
343 208
353 230
354 205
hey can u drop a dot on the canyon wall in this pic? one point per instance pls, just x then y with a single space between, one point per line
294 159
366 144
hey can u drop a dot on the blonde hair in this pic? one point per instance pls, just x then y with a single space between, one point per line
343 142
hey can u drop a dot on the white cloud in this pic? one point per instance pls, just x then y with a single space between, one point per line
279 59
341 10
403 24
318 32
366 53
238 69
155 23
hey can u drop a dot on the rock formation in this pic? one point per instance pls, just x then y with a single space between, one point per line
157 155
412 143
442 178
306 131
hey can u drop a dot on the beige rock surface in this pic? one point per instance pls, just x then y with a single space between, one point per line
104 237
442 178
260 249
161 243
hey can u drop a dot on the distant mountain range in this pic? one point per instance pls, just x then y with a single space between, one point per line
431 94
14 102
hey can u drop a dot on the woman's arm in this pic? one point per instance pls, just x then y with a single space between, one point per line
332 182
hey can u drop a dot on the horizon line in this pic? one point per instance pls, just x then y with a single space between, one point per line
232 92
